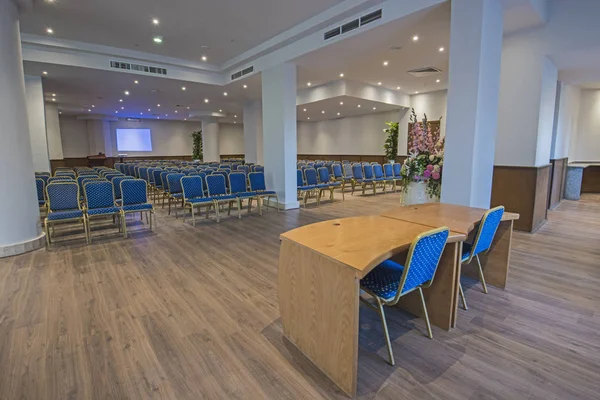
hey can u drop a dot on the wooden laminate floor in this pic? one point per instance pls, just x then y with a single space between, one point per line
191 313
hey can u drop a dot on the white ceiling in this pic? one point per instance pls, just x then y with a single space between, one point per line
227 27
333 106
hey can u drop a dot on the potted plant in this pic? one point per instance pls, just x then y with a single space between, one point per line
197 152
391 142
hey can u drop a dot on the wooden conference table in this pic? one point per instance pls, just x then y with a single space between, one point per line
320 267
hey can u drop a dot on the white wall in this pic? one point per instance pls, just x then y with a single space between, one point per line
55 150
433 104
352 135
231 139
34 96
74 137
586 141
568 115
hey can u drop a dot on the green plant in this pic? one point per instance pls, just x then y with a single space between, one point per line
391 142
197 151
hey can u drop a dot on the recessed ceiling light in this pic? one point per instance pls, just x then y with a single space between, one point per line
49 31
206 100
386 63
60 112
157 39
136 82
224 93
308 118
155 21
204 58
398 88
122 108
120 100
185 119
235 122
305 110
89 110
166 115
308 84
342 75
416 92
158 105
245 86
374 108
127 93
220 110
157 117
116 112
176 111
322 111
338 113
93 106
44 73
141 113
53 94
415 38
341 103
50 1
441 49
379 83
235 116
437 81
358 106
183 88
148 109
53 99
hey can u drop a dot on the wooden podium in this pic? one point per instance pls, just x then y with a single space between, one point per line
97 160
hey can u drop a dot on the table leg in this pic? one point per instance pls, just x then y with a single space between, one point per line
496 261
442 297
318 302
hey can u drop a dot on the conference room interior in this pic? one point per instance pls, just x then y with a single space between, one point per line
220 214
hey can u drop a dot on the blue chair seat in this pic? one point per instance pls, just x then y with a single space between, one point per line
224 197
58 215
199 200
137 207
466 251
245 195
384 280
177 195
364 180
334 184
381 179
264 192
105 210
308 187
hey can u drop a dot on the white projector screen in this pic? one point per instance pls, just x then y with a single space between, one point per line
134 140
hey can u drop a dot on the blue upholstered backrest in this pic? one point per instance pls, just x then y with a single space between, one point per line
329 166
163 178
337 171
357 171
388 170
244 168
151 175
60 179
323 175
174 182
397 169
299 178
310 174
157 180
487 229
377 171
143 171
43 177
99 194
258 168
257 181
237 182
40 185
62 195
62 174
348 171
117 185
423 258
192 186
131 169
133 191
368 171
216 185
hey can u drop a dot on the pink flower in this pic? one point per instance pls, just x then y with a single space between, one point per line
436 175
430 167
427 174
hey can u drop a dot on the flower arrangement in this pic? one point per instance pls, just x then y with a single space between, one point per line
391 142
197 151
426 157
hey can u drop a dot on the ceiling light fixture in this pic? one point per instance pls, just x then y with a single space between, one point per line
416 92
155 21
415 38
185 119
235 122
308 118
341 103
93 106
379 83
44 73
122 108
322 111
142 113
224 93
308 84
398 88
358 106
235 116
60 112
89 110
53 99
148 109
338 113
157 39
206 100
183 88
437 81
127 93
220 110
120 100
245 86
374 108
49 31
204 58
342 75
136 82
158 105
176 112
305 110
441 49
386 63
53 94
116 112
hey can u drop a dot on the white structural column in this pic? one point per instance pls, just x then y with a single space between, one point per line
55 148
210 140
20 228
99 136
279 132
473 86
253 132
34 96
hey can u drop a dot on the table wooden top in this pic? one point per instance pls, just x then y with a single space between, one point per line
360 242
457 218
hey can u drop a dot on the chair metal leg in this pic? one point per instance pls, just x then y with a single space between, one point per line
217 212
429 333
152 215
239 207
47 229
462 296
386 333
481 277
124 222
193 217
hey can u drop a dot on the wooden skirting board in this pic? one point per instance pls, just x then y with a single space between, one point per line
523 190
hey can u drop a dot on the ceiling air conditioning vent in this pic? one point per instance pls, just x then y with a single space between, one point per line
425 71
138 68
352 25
332 33
243 72
374 16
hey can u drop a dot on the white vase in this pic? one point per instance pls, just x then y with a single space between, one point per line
417 194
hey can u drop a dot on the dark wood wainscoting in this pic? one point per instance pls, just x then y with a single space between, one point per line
590 182
557 182
523 190
110 161
350 157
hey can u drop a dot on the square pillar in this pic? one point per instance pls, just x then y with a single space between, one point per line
34 96
473 86
279 132
210 140
253 132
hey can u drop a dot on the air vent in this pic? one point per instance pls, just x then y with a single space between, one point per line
374 16
425 71
241 73
138 68
352 25
332 33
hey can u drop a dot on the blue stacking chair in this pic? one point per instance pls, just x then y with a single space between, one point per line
369 175
117 187
131 170
378 175
389 281
304 190
157 182
323 177
357 171
60 179
388 171
258 168
258 185
484 237
134 198
193 196
311 179
238 187
339 176
165 185
218 191
397 169
65 174
40 186
40 174
143 173
44 178
100 202
174 190
63 206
